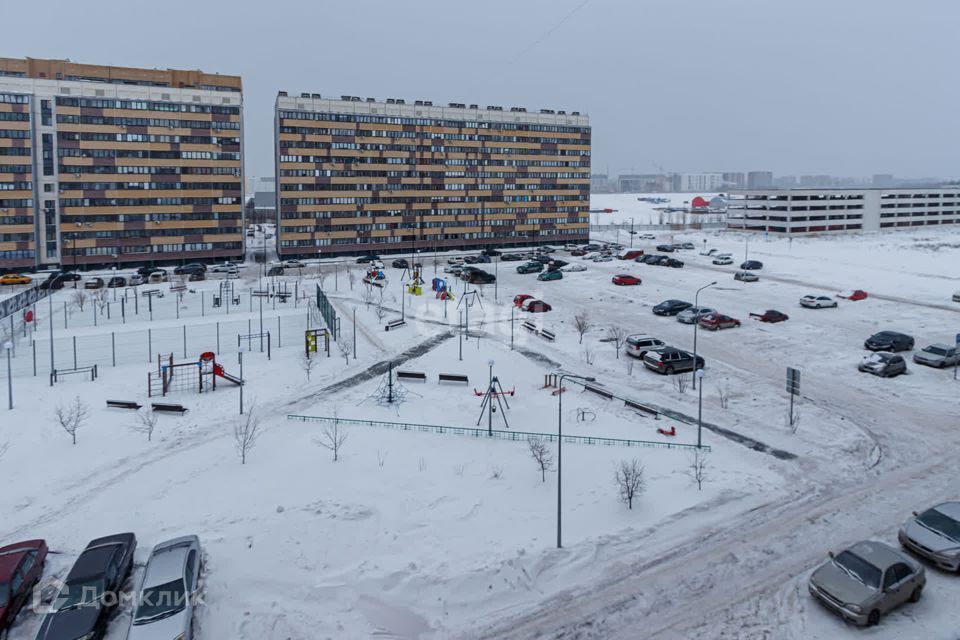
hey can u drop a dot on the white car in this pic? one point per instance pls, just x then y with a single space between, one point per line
570 247
292 264
746 276
708 252
167 594
723 260
693 314
568 268
817 302
602 258
590 256
135 280
647 236
223 268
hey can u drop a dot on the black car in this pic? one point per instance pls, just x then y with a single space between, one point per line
672 262
146 271
117 281
482 259
65 276
660 259
192 267
90 592
511 257
400 263
490 251
671 307
556 264
889 341
530 267
481 277
370 257
541 258
665 248
751 265
670 360
649 258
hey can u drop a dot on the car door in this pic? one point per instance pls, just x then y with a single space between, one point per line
17 588
896 586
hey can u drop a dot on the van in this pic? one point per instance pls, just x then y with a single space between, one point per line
630 254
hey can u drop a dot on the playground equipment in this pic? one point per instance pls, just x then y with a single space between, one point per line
198 376
390 391
56 374
375 277
415 285
494 393
664 432
439 285
311 343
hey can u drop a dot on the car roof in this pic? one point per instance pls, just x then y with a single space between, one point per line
166 564
93 561
879 554
11 555
941 345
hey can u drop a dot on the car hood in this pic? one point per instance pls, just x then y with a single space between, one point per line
928 538
69 624
839 585
165 629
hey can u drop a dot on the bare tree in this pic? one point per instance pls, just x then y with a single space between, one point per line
630 363
618 336
381 458
79 298
351 277
345 349
540 452
581 322
381 310
101 297
588 355
246 432
307 364
629 480
697 470
72 416
368 295
333 438
680 383
723 393
146 422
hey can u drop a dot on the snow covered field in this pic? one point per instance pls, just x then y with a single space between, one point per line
426 535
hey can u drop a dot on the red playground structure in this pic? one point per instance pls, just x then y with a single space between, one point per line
198 376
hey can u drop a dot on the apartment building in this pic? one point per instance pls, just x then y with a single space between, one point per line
801 211
116 165
355 176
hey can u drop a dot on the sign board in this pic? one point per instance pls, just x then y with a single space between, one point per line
22 300
793 381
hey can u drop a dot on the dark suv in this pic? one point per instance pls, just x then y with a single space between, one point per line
889 341
670 360
671 307
190 268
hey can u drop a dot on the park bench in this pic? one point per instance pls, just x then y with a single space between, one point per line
548 335
169 408
453 377
411 375
641 407
599 391
394 324
529 325
123 404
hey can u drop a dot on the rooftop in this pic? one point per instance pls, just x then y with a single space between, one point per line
68 70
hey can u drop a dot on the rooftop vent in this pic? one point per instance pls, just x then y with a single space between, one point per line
494 108
282 94
518 109
304 95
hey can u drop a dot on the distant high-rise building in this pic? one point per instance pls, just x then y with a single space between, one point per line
785 182
759 179
883 180
701 182
600 183
642 183
734 180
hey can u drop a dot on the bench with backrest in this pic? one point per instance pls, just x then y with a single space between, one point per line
453 377
394 324
123 404
411 375
529 325
548 335
600 391
641 407
169 408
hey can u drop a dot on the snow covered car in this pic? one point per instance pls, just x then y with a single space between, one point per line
603 258
708 252
883 364
853 294
225 267
293 264
692 314
817 302
573 267
934 535
956 296
723 260
867 580
166 598
746 276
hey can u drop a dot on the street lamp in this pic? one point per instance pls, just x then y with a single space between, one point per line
560 443
240 361
696 323
8 347
699 375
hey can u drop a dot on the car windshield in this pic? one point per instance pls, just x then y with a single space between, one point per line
941 523
885 335
858 569
79 593
160 602
4 594
937 351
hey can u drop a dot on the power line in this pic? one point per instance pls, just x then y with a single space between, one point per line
551 31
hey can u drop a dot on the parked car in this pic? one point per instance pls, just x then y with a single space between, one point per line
670 360
535 306
116 281
866 581
547 276
685 245
490 251
93 283
723 260
817 302
569 268
625 279
81 608
853 295
223 267
519 298
157 277
21 566
190 267
672 262
630 254
470 259
293 264
889 341
603 258
52 284
746 276
482 259
660 260
542 258
167 593
751 265
136 279
665 248
530 267
716 321
14 278
935 535
147 271
938 355
197 276
647 236
671 307
400 263
275 270
692 314
651 258
547 249
511 257
770 315
453 269
481 277
370 257
558 264
883 364
578 252
708 252
638 345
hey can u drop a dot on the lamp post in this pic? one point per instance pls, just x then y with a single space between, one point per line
699 375
8 347
696 323
490 399
560 446
631 233
240 360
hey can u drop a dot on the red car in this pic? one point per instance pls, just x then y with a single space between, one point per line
578 252
856 294
717 321
518 299
21 566
770 315
623 279
536 306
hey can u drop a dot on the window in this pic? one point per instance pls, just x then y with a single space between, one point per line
191 570
16 582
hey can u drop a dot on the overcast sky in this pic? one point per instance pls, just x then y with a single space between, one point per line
845 87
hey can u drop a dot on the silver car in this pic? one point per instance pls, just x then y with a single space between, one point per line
166 599
938 355
866 581
935 535
693 314
817 302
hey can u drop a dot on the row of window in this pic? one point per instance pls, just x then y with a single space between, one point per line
427 175
353 161
917 205
422 199
15 237
146 122
147 217
149 170
15 151
519 235
14 116
424 216
14 203
18 254
14 98
148 186
380 133
16 219
16 168
144 153
917 214
143 202
15 186
143 105
917 223
149 233
287 145
143 137
383 226
15 133
429 122
450 186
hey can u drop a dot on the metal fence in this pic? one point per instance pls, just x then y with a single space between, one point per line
478 432
328 313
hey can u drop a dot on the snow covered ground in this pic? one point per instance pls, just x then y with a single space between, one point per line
426 535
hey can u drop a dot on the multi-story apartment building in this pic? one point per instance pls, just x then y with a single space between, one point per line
704 182
356 176
759 179
799 211
116 165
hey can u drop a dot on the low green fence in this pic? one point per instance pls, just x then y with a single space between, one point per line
478 432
